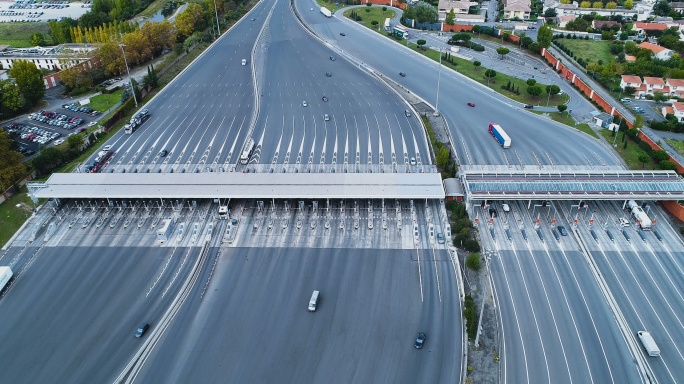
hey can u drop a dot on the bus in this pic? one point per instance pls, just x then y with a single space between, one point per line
246 151
387 25
400 31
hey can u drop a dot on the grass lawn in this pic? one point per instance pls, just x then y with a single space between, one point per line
565 118
105 101
590 50
18 35
677 145
629 154
376 14
13 216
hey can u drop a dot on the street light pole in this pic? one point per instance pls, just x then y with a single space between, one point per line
439 75
617 131
130 80
218 26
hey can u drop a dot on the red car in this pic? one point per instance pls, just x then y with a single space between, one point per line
471 104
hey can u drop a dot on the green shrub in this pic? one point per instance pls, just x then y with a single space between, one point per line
473 261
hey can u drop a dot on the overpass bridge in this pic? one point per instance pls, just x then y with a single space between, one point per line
567 184
478 184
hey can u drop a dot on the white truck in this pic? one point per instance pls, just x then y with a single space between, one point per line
5 276
648 343
326 12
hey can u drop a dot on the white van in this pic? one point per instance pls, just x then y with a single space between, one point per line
313 301
648 343
244 61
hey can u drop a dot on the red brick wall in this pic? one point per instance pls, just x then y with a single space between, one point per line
456 27
514 39
674 208
395 3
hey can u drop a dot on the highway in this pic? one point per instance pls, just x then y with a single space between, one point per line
367 122
561 144
72 311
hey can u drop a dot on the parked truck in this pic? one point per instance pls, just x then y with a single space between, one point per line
5 276
639 215
500 135
648 343
326 12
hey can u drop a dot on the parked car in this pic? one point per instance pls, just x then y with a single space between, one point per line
529 106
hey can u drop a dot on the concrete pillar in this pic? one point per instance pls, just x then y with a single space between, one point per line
591 95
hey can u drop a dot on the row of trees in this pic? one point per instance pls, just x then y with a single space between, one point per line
104 33
627 4
24 92
11 167
141 46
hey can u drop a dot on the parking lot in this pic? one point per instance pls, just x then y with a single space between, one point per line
50 127
35 11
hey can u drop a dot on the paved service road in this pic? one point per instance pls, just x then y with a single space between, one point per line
536 140
253 324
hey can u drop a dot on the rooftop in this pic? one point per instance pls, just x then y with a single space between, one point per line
653 80
631 79
655 48
241 185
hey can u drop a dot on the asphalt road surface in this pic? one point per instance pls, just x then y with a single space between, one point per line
71 312
535 140
367 123
253 324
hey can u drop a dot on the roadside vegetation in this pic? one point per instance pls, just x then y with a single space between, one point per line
597 51
105 101
565 118
443 156
13 213
634 156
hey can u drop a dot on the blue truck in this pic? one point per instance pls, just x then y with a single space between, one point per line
500 135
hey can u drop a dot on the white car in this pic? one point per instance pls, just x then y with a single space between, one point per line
505 207
304 103
624 222
107 147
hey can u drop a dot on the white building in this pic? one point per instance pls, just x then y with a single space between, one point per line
574 9
519 9
659 52
51 58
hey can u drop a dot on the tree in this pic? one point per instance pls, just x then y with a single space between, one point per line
660 155
421 43
550 12
473 261
38 39
443 157
451 17
48 159
668 165
29 79
11 167
638 122
544 36
490 74
476 64
552 89
629 91
75 143
662 8
503 51
531 82
597 4
562 108
425 13
643 159
534 90
585 4
374 23
611 5
628 4
659 97
384 9
525 41
191 20
11 99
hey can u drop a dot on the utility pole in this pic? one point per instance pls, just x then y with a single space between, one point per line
130 80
